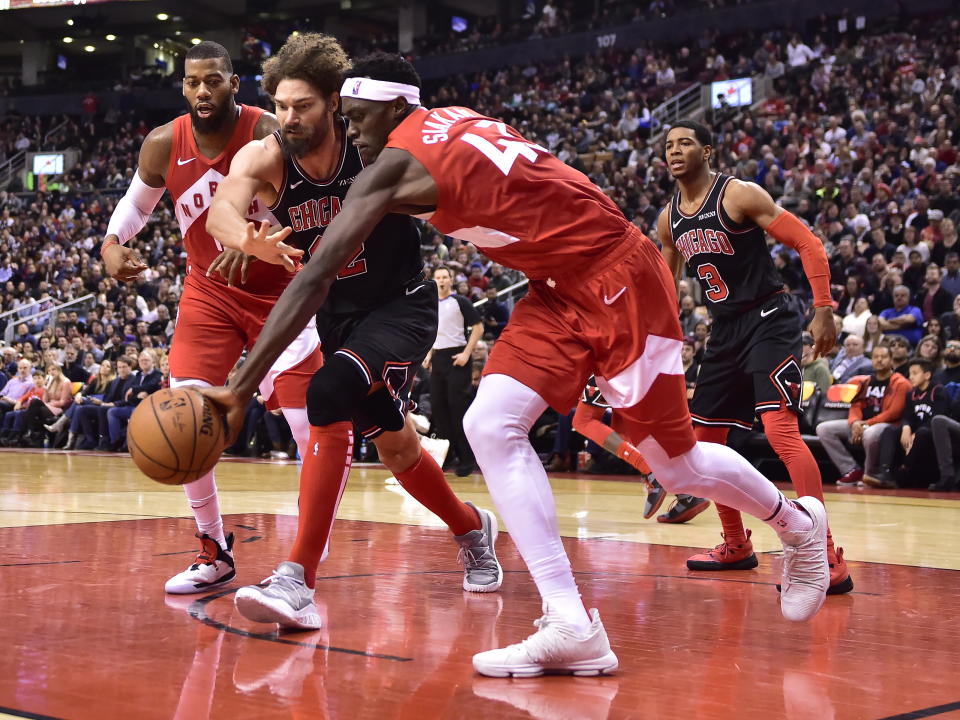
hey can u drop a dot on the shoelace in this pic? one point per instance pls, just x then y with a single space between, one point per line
543 645
805 563
284 585
477 555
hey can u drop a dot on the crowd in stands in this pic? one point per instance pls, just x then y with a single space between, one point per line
858 139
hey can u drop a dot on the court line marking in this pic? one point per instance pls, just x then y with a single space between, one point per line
197 611
602 538
13 712
925 712
585 572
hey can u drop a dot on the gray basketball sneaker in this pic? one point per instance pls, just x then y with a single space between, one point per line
282 598
481 570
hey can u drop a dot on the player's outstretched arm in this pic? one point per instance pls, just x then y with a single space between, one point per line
668 249
135 207
378 190
256 169
745 200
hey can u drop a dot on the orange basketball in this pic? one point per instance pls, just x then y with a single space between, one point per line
175 436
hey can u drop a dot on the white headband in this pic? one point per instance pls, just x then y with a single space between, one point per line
366 88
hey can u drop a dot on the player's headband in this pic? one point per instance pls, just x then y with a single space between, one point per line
365 88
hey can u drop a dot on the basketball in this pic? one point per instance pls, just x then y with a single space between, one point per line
175 436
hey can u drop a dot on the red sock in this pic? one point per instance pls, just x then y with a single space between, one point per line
322 477
425 481
730 519
783 433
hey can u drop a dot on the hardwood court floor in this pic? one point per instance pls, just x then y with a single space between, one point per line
87 631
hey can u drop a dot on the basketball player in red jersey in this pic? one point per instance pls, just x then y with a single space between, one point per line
189 157
601 302
717 226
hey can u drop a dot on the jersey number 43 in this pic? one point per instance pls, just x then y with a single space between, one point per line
512 147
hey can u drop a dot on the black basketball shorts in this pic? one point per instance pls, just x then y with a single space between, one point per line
387 344
751 365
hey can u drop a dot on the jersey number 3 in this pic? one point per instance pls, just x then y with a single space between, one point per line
717 290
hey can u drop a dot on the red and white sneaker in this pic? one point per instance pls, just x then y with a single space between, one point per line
840 580
726 556
854 478
213 567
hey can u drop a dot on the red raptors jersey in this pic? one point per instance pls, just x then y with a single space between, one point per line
192 179
508 196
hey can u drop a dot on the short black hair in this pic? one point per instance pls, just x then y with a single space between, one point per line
925 365
208 50
438 268
380 65
700 131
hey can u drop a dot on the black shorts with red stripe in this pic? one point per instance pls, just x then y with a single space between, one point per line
386 344
751 365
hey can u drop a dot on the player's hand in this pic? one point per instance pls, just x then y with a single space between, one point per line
907 443
461 359
270 248
123 263
229 263
824 331
231 406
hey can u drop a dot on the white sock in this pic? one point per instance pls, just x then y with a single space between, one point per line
716 472
497 426
202 492
789 518
299 427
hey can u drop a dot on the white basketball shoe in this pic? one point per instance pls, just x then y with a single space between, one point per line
806 569
555 648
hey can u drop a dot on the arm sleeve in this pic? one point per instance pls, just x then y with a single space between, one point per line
788 229
588 421
134 209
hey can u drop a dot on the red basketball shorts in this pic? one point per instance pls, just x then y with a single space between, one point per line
617 321
215 323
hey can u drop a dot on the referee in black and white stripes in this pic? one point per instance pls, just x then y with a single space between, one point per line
451 367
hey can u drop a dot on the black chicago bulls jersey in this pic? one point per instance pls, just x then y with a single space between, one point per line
388 260
731 260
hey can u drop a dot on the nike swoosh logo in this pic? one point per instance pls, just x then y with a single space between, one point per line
411 292
294 186
611 301
677 223
184 162
764 313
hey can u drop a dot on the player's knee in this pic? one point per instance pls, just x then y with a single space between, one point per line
334 392
399 453
473 425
